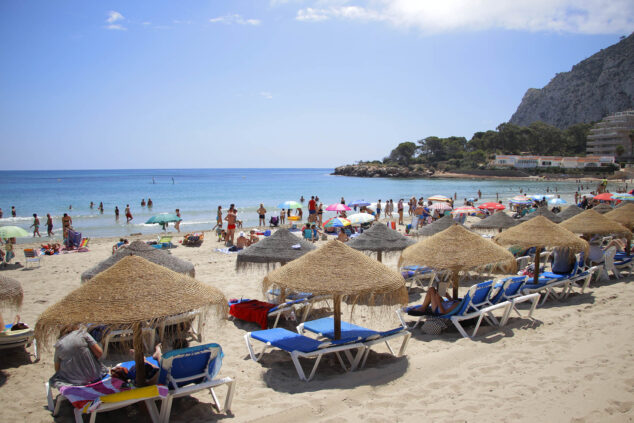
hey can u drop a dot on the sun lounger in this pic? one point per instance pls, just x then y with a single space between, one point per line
299 346
32 256
475 304
581 281
510 289
193 332
20 338
324 327
163 242
260 312
125 335
106 395
189 370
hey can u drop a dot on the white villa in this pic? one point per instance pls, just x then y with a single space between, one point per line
552 161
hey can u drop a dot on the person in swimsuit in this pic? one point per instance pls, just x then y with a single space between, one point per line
143 202
116 212
149 202
378 210
283 216
320 214
128 214
49 225
66 224
177 224
262 215
231 224
36 226
13 212
438 304
101 207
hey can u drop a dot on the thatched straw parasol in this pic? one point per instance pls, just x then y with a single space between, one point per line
438 226
11 293
499 220
542 211
456 249
602 208
132 293
569 212
277 248
540 233
592 223
380 239
336 269
623 215
141 249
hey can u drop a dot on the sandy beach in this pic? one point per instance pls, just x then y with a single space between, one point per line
572 363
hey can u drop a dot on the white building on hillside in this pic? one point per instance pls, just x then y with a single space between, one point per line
613 131
525 162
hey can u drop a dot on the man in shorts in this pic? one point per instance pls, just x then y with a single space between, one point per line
312 206
231 224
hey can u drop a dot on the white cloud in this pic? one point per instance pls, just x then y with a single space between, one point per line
266 95
114 16
432 16
112 19
235 19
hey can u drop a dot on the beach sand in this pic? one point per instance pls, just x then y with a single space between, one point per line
572 363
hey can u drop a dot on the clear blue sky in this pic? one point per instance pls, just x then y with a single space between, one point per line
273 83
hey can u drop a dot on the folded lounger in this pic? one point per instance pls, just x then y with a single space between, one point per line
302 346
324 327
475 304
259 311
32 256
18 338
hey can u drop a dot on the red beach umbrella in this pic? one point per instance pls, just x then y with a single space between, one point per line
606 196
491 206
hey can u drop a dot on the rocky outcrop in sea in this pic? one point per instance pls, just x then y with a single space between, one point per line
375 171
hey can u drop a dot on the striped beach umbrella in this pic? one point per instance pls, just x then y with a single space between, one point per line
336 222
440 207
439 198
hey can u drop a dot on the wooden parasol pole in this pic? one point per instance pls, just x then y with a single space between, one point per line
139 361
337 306
379 256
454 282
538 252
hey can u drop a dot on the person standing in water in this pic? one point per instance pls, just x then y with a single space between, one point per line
177 224
262 215
49 225
101 207
128 214
36 226
116 213
149 202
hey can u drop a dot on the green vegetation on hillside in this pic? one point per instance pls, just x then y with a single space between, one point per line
454 153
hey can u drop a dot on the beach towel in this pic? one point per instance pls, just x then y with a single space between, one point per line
225 251
252 311
89 397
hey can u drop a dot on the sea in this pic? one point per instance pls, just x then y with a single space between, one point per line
199 192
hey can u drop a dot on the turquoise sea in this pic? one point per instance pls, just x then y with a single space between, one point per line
198 192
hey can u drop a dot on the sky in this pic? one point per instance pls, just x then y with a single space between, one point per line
93 84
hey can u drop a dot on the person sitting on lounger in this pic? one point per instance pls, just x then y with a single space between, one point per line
563 260
76 358
438 304
151 371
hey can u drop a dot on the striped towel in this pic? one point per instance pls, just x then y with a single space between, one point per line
89 397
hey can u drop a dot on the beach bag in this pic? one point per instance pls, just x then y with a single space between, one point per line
434 326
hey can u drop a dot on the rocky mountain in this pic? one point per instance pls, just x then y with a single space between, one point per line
596 87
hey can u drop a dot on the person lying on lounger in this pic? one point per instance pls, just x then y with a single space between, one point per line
438 304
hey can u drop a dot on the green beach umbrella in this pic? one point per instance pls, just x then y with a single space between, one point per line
290 204
163 219
12 232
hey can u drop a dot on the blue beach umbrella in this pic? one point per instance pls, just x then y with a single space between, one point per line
290 204
623 196
359 203
163 219
557 201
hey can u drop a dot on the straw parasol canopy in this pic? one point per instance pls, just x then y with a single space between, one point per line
499 220
456 249
542 211
438 226
540 233
141 249
132 293
336 269
623 215
602 208
590 222
281 247
569 212
380 239
11 293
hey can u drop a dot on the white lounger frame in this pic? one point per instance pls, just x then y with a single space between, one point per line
295 355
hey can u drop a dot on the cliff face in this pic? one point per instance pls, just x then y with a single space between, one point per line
596 87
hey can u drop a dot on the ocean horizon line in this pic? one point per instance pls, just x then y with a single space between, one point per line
168 168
